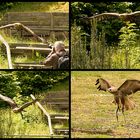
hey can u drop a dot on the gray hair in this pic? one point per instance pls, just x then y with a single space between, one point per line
59 45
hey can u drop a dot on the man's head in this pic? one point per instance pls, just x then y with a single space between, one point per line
58 46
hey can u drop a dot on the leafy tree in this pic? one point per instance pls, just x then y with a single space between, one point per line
20 83
37 81
9 86
4 6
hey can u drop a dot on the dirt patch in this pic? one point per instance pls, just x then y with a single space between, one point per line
93 131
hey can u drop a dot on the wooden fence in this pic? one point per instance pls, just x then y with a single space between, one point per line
42 23
57 100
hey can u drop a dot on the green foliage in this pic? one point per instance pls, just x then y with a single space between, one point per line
128 35
9 86
102 55
20 99
19 83
38 81
6 5
13 124
129 44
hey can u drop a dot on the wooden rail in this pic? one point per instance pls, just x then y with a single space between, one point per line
7 51
45 112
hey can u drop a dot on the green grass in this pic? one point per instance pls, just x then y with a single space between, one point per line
33 122
93 110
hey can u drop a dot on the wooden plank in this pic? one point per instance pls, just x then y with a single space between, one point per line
30 65
61 118
34 48
63 108
29 15
58 103
61 115
32 23
59 131
39 45
57 93
47 29
30 51
59 106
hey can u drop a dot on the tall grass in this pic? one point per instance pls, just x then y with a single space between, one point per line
12 124
33 123
102 56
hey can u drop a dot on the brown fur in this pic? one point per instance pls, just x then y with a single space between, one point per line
128 104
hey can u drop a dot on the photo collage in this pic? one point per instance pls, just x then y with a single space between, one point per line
69 69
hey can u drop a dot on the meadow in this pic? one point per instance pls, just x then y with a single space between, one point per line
92 111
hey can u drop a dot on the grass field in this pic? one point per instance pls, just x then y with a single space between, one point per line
93 113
